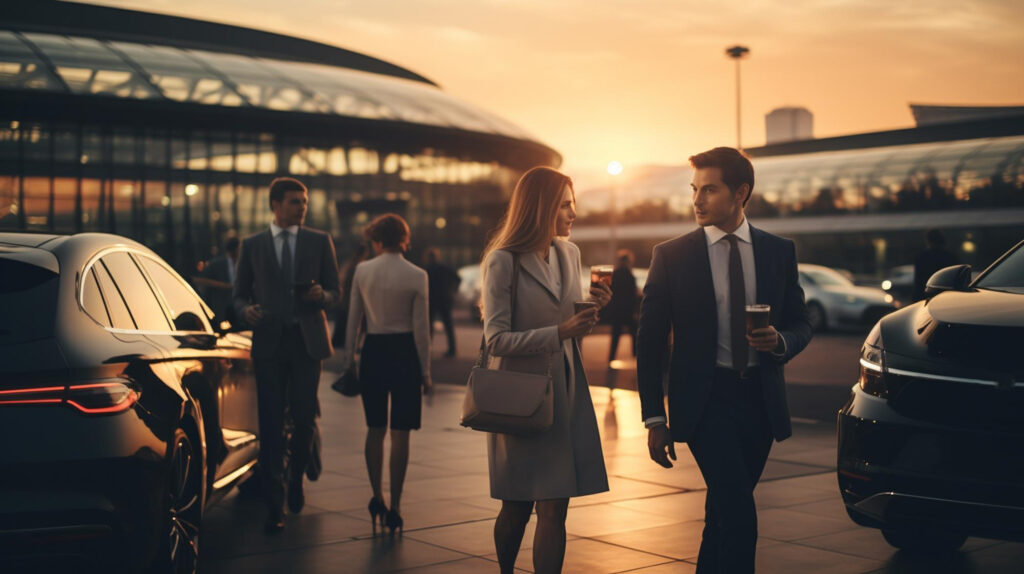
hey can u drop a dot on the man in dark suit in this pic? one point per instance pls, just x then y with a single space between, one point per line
726 391
286 277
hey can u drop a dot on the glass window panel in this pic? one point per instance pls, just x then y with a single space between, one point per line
37 203
186 310
198 152
120 318
125 147
262 85
142 303
124 196
20 68
226 207
156 203
92 301
179 76
87 66
156 149
9 202
64 191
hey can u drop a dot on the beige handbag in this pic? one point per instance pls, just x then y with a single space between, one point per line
507 401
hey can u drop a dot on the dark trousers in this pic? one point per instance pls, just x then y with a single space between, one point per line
731 445
288 377
445 312
617 329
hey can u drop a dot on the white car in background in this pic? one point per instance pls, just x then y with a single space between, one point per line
834 301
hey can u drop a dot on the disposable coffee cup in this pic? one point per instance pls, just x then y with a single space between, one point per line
757 317
602 274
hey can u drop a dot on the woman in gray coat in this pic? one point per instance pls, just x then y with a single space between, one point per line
566 460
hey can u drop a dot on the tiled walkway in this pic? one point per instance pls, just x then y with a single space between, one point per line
650 521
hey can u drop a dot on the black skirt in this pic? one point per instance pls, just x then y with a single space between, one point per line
390 367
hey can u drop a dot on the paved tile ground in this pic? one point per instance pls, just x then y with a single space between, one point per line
649 522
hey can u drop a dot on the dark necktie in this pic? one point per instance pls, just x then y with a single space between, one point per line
286 273
737 306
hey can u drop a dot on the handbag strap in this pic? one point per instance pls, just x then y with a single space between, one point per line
481 359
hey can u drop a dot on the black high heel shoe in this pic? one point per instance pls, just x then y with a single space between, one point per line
377 509
395 522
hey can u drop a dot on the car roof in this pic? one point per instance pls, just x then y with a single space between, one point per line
28 239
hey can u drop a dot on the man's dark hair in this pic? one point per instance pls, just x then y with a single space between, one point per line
935 238
283 185
390 230
735 165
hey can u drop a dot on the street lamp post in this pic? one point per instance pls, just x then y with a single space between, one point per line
737 53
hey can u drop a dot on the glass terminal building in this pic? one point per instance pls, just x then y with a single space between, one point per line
168 130
862 202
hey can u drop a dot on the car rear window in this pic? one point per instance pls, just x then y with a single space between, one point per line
28 297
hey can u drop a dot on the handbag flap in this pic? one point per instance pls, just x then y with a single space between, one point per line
508 392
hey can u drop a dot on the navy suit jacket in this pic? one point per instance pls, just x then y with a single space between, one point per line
679 297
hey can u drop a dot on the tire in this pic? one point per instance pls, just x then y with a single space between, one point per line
924 539
816 316
183 509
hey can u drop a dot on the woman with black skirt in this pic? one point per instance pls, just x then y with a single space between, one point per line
392 294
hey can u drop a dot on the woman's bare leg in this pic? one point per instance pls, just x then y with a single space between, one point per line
399 462
374 452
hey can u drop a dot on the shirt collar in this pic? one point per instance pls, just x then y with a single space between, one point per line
275 230
715 234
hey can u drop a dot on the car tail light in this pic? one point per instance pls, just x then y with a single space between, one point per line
100 397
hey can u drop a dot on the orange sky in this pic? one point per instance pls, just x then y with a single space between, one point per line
647 82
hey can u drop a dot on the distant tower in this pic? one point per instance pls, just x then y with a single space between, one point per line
788 124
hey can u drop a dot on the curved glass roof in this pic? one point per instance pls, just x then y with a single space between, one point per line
81 65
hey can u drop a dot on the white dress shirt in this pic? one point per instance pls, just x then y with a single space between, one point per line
718 254
293 232
392 294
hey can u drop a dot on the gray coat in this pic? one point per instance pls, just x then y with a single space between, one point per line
566 460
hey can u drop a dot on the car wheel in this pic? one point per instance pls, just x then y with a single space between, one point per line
816 316
179 551
923 539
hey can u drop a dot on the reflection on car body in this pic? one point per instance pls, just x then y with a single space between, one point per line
931 441
124 413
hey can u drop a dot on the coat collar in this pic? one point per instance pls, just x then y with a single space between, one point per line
533 265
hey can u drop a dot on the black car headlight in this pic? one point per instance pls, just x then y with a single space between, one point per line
872 365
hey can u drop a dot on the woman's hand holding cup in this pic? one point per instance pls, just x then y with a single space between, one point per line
581 323
601 294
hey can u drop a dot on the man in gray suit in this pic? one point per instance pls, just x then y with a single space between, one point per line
287 275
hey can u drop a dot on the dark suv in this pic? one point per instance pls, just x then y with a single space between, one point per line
123 413
931 441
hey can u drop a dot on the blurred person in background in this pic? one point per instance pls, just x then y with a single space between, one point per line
444 283
935 257
621 311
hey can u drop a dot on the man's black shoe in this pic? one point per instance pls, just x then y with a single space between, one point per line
296 499
274 524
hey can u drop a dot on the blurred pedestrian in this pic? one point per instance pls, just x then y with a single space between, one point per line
444 283
544 470
286 277
935 257
392 294
217 280
621 311
348 272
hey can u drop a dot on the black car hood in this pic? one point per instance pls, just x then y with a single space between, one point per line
961 334
989 308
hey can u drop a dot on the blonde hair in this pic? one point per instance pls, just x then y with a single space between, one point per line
529 223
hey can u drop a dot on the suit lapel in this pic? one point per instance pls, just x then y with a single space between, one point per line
760 261
705 282
532 265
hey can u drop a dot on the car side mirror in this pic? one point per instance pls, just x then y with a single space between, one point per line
955 278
